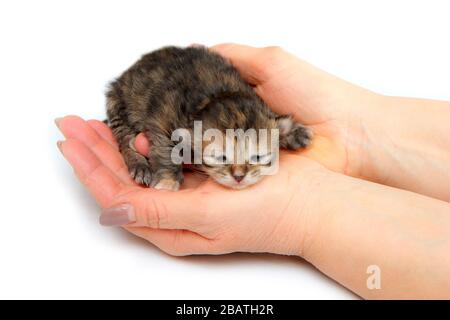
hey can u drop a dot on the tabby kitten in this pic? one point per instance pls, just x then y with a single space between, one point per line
171 88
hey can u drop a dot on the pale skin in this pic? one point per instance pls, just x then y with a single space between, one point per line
323 205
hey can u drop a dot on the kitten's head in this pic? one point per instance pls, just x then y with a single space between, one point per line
238 163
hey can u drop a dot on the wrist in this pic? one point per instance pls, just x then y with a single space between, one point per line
364 224
373 140
405 144
303 214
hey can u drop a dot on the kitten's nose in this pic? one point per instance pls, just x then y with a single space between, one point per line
238 172
238 177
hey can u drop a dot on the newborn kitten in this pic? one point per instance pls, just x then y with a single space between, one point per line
171 88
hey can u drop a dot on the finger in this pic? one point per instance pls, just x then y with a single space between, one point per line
76 128
103 131
103 184
176 242
256 65
189 209
142 145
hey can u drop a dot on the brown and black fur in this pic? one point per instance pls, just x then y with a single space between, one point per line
170 88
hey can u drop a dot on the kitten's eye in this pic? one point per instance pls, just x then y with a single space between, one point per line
221 158
213 160
255 158
260 159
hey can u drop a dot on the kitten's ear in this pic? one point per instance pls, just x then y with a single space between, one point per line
292 134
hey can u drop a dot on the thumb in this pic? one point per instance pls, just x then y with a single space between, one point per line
142 144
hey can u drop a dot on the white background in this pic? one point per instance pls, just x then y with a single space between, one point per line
57 56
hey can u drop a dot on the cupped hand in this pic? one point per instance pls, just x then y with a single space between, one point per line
275 215
336 110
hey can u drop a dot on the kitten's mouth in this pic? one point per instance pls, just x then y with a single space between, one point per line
235 185
239 186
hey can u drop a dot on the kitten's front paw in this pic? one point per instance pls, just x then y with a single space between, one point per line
141 173
168 184
298 137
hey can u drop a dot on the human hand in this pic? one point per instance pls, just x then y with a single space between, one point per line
275 215
357 132
332 107
303 210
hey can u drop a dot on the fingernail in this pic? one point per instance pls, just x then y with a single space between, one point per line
117 216
59 145
57 121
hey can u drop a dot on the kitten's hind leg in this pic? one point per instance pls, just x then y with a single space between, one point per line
293 135
137 164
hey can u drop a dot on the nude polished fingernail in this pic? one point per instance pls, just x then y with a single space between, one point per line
117 216
59 145
57 121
